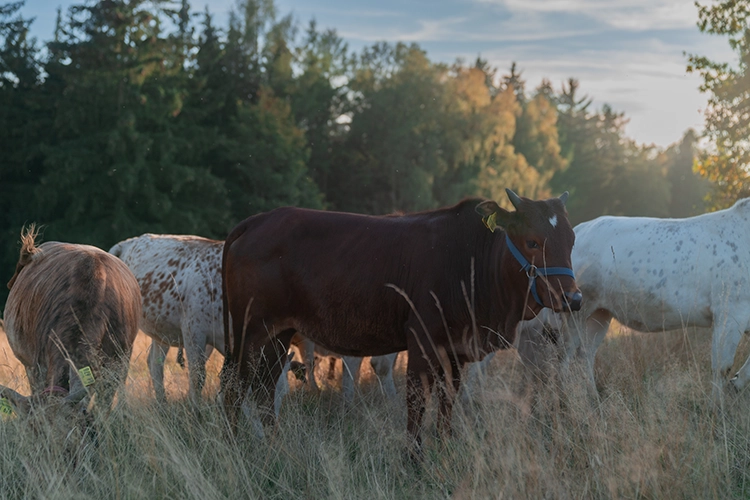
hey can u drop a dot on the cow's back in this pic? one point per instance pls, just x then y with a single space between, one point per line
331 273
178 275
653 274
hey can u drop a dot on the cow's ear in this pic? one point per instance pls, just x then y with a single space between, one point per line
493 216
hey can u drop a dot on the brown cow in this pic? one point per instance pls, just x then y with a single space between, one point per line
71 318
439 284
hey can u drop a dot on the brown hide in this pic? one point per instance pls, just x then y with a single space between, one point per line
72 306
438 284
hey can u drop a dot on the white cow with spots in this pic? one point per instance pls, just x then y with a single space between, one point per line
180 280
663 274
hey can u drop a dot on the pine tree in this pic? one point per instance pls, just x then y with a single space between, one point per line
24 120
113 166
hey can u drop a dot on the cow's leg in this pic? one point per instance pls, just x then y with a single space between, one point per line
741 379
307 353
268 366
350 375
236 371
282 386
726 337
195 348
116 373
592 334
420 376
447 388
157 353
383 368
473 382
116 349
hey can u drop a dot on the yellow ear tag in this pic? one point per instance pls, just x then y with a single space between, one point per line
6 410
87 377
490 222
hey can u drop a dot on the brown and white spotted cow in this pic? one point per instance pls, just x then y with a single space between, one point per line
71 318
180 280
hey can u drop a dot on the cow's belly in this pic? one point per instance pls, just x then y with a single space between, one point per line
162 326
647 308
354 337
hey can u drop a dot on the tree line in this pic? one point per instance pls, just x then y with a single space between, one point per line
142 116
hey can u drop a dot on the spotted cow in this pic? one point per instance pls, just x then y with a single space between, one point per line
180 281
663 274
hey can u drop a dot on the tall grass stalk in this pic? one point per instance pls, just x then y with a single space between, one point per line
653 433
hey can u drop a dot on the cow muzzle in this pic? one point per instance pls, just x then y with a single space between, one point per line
573 301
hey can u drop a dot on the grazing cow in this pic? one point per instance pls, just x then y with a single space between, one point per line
71 318
180 280
439 284
662 274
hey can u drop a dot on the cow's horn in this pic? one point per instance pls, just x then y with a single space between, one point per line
514 199
564 197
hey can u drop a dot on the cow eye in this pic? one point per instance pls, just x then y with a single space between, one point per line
532 244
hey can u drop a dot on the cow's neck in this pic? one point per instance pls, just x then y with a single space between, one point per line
502 306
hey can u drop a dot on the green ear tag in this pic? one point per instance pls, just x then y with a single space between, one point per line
87 377
489 221
6 410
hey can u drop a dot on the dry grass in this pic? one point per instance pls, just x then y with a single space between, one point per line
653 434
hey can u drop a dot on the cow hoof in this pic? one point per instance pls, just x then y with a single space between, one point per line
734 383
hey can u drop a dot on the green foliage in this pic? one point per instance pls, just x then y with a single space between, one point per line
24 120
727 163
396 140
113 162
688 189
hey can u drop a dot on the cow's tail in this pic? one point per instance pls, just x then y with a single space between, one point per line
228 375
29 250
228 347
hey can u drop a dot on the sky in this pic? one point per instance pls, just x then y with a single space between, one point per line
628 54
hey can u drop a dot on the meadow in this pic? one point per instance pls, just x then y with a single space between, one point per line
652 434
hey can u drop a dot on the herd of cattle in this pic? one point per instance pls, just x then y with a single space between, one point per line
448 286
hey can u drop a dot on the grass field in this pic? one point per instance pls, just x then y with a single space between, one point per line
653 434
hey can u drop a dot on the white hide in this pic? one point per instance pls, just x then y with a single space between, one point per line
180 280
663 274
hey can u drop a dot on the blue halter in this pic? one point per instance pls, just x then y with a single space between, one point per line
532 271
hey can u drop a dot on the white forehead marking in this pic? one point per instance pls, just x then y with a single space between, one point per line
553 220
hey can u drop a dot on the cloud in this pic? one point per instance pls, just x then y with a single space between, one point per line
637 15
426 31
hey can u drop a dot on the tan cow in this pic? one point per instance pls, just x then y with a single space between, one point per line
71 318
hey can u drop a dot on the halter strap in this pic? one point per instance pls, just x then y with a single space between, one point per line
532 271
